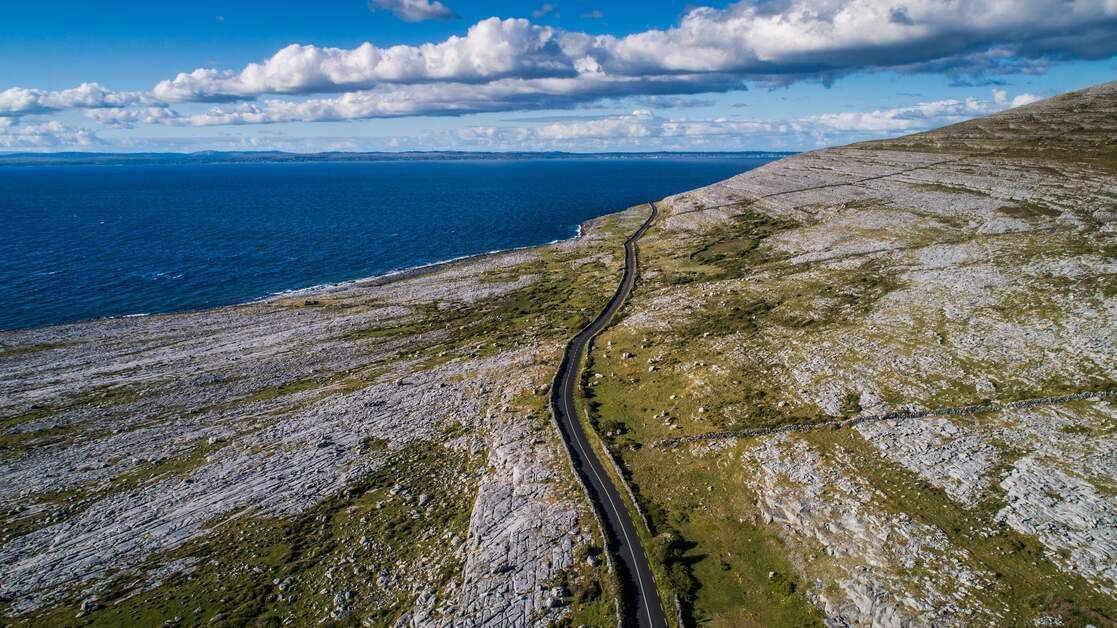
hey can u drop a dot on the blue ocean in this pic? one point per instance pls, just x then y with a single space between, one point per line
88 241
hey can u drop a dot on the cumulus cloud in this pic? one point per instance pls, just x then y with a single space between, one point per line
817 36
18 101
772 42
918 117
457 98
446 99
923 116
128 118
642 123
413 10
491 49
511 64
638 130
642 129
42 135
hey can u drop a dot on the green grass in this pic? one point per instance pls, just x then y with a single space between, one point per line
730 569
21 350
102 396
590 603
943 188
659 562
1029 210
698 551
738 572
560 300
710 554
723 251
280 390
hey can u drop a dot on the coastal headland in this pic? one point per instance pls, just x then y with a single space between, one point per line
868 385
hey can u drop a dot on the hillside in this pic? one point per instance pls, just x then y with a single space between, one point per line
865 385
875 384
377 452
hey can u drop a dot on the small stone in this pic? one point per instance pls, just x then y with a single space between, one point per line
88 605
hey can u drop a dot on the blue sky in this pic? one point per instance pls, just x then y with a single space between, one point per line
566 75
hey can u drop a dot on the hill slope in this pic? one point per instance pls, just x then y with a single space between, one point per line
377 452
866 385
879 292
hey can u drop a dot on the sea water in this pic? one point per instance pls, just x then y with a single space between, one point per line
86 241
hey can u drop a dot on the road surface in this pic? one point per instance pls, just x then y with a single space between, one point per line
641 600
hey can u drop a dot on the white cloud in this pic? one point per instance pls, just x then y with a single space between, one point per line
923 116
44 135
461 98
673 102
543 10
127 118
1024 99
17 101
513 64
413 10
915 118
643 129
819 36
443 99
772 42
492 49
639 130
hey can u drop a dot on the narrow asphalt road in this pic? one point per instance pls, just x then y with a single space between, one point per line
641 600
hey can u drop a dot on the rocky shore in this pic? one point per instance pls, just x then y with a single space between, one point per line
404 418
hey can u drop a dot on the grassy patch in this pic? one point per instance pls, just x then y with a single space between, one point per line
723 251
14 352
1029 210
705 544
280 390
94 398
736 241
943 188
590 604
733 572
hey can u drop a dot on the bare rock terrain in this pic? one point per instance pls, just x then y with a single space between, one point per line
869 385
878 380
377 452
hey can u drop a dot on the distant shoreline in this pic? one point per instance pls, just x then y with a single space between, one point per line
410 272
277 157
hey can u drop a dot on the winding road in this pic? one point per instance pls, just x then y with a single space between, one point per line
641 599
